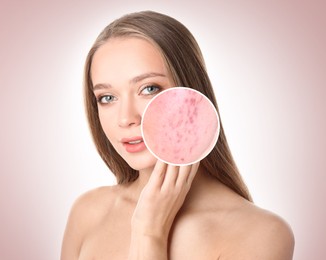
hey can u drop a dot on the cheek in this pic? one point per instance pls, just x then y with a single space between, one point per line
108 123
180 126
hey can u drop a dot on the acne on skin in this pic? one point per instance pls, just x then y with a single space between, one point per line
180 126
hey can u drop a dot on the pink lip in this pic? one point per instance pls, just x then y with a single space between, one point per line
133 148
130 139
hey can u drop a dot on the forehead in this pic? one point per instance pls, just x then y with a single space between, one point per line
125 58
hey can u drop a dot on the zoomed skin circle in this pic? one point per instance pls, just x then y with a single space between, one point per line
180 126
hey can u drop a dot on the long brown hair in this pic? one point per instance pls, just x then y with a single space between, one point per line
185 64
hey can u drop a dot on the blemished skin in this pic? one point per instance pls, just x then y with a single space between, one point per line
169 212
180 126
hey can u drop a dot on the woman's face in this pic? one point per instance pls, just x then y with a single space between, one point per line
126 74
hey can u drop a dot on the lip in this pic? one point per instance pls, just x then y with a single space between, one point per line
131 139
133 148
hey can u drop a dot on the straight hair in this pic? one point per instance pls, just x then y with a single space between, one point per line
185 64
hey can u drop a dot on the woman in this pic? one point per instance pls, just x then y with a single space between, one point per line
159 211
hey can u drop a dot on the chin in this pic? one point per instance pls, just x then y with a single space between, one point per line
141 161
139 166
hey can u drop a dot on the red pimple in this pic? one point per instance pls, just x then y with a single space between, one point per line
200 99
179 122
176 151
196 111
172 126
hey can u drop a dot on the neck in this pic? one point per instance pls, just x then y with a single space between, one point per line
200 187
139 184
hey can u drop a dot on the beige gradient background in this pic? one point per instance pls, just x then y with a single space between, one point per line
266 59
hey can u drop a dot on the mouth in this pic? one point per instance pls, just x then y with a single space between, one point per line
133 144
132 140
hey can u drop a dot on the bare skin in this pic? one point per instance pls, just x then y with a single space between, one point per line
213 223
169 212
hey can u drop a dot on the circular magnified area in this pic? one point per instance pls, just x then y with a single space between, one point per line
180 126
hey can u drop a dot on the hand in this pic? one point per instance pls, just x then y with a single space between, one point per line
161 199
158 204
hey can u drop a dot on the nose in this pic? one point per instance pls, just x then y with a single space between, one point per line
128 114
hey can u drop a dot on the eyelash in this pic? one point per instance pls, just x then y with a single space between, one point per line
100 98
151 86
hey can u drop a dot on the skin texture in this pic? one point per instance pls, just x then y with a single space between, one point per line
169 212
180 126
124 77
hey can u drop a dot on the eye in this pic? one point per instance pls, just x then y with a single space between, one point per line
150 90
106 99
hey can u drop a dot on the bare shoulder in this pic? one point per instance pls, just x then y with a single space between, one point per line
220 224
260 234
93 203
87 211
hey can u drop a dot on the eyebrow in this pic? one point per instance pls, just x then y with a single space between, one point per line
133 80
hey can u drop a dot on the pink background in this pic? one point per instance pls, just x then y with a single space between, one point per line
266 59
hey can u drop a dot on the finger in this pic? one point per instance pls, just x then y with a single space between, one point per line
183 174
193 171
158 174
171 176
